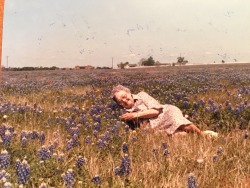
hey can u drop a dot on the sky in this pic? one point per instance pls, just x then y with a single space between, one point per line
66 33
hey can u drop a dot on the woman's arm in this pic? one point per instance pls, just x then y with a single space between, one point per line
151 113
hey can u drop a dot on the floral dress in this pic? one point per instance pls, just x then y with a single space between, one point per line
169 119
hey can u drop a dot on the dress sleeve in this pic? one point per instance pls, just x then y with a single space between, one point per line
149 101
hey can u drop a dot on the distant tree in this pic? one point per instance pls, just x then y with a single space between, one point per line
140 63
181 61
122 65
149 62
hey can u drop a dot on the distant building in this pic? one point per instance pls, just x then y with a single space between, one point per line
130 66
88 67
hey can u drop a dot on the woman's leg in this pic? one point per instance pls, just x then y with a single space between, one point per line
190 128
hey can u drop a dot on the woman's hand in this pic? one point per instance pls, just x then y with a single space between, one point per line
151 113
129 116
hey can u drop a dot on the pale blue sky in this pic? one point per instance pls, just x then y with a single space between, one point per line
66 33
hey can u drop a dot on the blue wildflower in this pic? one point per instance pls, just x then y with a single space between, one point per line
192 181
124 168
88 140
69 178
80 161
215 158
97 180
44 153
124 147
23 171
4 159
246 135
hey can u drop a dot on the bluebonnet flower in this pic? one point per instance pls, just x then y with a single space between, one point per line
42 137
58 119
126 128
125 147
69 144
4 159
23 171
44 153
97 180
53 146
215 158
201 102
60 157
246 135
186 104
166 152
88 139
69 178
75 140
97 118
164 146
124 168
80 161
229 106
134 139
207 109
195 105
95 133
101 143
155 151
7 138
192 181
34 135
97 126
74 130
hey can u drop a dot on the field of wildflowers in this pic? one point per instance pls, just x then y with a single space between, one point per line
61 129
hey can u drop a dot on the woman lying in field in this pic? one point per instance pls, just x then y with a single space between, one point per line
142 109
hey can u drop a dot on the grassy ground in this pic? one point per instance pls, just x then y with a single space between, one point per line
74 113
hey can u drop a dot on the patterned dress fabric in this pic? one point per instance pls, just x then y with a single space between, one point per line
170 118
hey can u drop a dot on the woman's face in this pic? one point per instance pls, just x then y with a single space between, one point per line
124 99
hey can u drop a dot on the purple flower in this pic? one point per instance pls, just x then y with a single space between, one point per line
215 158
23 171
164 146
87 139
69 178
192 181
97 180
166 152
4 159
124 168
80 161
124 147
44 153
75 140
246 135
69 144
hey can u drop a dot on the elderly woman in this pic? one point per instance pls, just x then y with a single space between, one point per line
142 107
